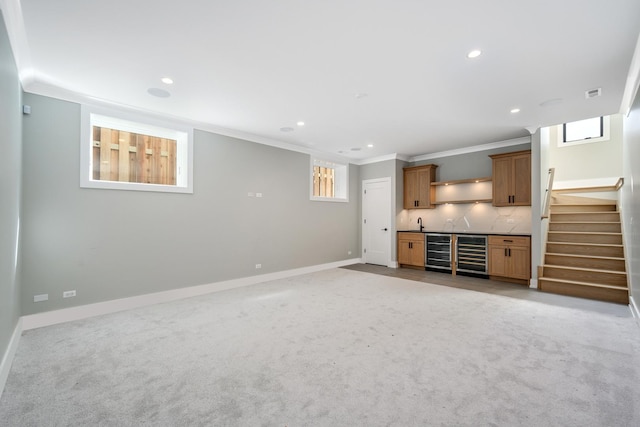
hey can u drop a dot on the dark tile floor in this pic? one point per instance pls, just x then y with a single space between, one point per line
494 287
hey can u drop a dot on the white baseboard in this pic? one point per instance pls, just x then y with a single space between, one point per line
393 264
7 358
634 308
533 283
89 310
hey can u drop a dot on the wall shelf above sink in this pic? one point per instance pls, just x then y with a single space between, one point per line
458 202
462 181
463 191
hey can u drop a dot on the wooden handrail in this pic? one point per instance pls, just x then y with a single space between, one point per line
593 189
547 194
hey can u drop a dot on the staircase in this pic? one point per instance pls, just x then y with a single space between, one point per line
585 255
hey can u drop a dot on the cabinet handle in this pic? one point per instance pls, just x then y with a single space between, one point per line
510 241
505 251
509 251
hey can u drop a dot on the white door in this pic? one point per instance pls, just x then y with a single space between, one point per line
376 221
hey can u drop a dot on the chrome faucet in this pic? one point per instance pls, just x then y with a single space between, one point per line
420 222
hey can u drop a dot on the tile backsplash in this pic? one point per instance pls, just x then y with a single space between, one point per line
469 218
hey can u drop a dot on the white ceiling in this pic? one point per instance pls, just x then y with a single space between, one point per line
255 66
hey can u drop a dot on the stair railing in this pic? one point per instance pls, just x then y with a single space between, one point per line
547 195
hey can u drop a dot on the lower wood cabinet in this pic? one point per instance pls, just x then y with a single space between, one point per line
411 249
510 258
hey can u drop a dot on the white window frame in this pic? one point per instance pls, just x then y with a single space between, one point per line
136 123
341 180
606 135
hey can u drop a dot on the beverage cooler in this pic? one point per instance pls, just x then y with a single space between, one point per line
438 251
471 254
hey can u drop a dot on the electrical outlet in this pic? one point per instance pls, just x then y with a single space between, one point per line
449 220
40 298
250 194
258 266
258 194
68 294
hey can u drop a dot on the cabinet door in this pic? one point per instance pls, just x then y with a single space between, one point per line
418 192
502 175
498 261
417 254
404 252
519 262
411 189
522 180
424 188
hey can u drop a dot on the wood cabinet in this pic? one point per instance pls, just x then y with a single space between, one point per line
510 258
512 179
418 192
411 249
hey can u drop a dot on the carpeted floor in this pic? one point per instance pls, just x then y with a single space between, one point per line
334 348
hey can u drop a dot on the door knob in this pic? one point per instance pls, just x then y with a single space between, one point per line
384 229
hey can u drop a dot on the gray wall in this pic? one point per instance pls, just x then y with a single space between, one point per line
630 200
109 244
470 165
10 172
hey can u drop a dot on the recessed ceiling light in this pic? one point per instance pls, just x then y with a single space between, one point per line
160 93
474 53
286 129
300 123
167 80
370 145
361 95
515 110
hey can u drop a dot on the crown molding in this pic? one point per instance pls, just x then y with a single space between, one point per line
39 87
14 21
394 156
633 82
473 149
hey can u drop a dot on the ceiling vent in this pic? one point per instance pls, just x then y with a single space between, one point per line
593 93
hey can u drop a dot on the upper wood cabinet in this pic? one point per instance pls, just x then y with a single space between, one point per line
418 192
512 179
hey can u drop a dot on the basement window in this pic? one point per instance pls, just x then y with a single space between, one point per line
127 152
329 181
584 131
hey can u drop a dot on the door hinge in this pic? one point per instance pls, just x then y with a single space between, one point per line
365 191
365 221
365 251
